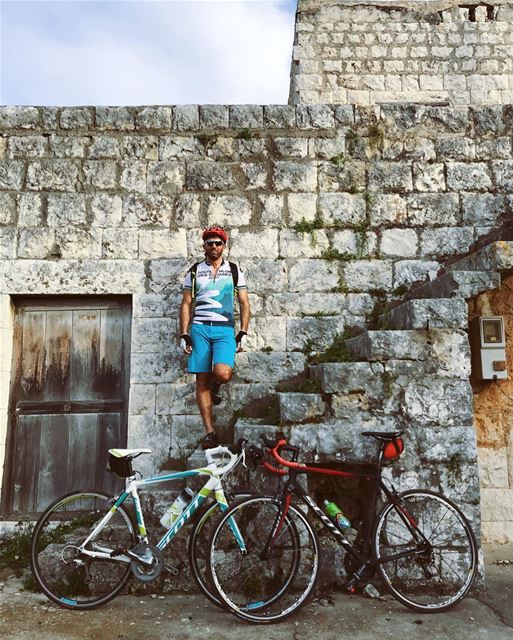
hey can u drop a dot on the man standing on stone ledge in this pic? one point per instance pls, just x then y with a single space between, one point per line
208 295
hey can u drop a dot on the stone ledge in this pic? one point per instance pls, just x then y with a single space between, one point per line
441 313
497 256
461 284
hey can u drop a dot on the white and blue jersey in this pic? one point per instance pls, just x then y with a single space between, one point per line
214 295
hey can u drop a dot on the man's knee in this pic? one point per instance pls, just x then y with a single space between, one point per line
222 373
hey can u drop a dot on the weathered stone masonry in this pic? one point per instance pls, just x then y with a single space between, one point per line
112 200
352 52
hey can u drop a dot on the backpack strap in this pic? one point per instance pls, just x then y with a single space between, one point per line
193 271
235 273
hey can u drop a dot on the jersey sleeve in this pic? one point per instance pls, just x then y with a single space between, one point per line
187 281
241 282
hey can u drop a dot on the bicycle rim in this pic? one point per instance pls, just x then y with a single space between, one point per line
198 548
254 587
442 564
65 575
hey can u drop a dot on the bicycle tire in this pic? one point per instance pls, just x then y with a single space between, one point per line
69 579
198 546
253 588
446 567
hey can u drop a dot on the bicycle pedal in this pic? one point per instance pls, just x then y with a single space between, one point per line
171 568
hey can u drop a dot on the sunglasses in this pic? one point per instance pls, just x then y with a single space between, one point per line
214 243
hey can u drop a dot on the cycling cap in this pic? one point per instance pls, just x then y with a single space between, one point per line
215 231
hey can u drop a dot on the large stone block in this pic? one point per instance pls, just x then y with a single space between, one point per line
229 211
272 210
429 176
51 175
495 256
66 210
294 176
153 432
8 244
19 117
34 243
307 334
158 368
74 276
429 314
11 174
165 177
301 304
150 210
255 245
27 146
342 208
441 445
446 241
493 468
313 275
303 245
389 209
115 118
349 377
468 176
398 242
482 208
175 399
213 116
120 244
438 402
267 333
162 244
279 116
30 210
7 208
368 275
265 367
142 399
265 276
79 244
154 118
209 176
300 407
450 353
246 116
433 209
390 177
389 345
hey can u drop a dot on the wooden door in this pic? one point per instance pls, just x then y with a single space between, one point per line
69 394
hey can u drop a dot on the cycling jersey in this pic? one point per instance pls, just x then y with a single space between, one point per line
214 295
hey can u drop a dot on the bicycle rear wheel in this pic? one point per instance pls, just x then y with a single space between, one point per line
440 561
67 576
198 546
273 579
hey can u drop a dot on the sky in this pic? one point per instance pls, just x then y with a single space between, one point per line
135 52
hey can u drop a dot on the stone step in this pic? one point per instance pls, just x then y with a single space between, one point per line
348 377
300 407
428 313
380 345
497 256
457 284
251 430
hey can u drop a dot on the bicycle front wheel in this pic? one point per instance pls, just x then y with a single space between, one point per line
198 546
68 576
435 551
276 573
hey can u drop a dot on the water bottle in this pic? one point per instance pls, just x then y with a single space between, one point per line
173 512
335 512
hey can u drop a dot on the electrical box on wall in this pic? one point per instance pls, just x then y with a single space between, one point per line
488 344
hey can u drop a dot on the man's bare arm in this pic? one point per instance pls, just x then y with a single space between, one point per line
243 298
185 316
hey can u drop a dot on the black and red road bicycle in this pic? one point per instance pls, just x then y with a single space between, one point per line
418 542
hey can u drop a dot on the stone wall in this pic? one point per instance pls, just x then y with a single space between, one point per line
493 403
332 211
376 52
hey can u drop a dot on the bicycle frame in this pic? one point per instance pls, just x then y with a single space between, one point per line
213 484
364 559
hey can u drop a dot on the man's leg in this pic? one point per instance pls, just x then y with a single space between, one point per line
204 399
223 356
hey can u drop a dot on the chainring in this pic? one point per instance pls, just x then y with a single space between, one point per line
147 573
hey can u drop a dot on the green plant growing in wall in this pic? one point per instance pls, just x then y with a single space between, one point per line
308 226
245 134
339 160
337 351
207 140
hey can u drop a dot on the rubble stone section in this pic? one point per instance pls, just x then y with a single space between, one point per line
377 52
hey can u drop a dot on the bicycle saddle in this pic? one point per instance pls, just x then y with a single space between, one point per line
383 435
128 453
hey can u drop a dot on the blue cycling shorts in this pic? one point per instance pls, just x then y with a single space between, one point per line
211 345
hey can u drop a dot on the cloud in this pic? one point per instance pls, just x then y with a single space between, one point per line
120 52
